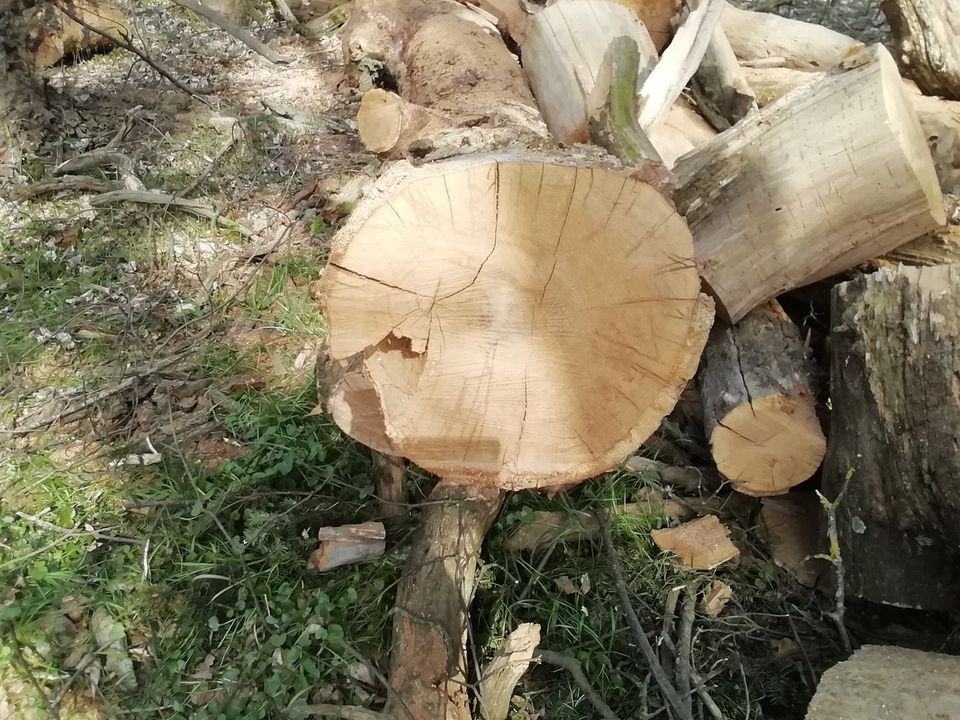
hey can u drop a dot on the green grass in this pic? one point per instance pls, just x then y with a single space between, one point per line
226 568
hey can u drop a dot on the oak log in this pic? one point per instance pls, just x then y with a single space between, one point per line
758 382
563 54
928 38
894 434
827 177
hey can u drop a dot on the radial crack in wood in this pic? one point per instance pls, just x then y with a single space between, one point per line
459 299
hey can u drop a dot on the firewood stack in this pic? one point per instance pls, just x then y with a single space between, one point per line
524 294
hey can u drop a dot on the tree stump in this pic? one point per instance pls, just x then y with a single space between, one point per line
894 435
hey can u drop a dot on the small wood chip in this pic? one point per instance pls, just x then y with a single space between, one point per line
346 545
715 599
701 544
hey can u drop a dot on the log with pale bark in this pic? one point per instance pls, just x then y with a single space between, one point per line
827 177
759 37
758 386
893 440
928 41
889 683
563 53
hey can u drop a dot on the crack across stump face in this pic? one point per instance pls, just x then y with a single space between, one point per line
517 323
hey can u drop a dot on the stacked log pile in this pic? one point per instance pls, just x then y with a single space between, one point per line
522 297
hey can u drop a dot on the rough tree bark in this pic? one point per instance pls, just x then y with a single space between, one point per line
758 384
829 176
894 435
928 35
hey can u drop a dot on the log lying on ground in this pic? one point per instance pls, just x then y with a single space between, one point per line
758 382
758 37
458 299
563 54
927 33
889 683
429 661
388 125
827 177
896 411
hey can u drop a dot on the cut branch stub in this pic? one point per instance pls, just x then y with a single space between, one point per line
512 321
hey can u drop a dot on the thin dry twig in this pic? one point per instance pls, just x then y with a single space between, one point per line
76 532
659 675
835 558
685 648
572 666
153 197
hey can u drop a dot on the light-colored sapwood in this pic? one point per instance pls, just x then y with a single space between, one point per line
388 125
503 672
458 299
659 17
760 36
347 545
757 382
829 176
563 54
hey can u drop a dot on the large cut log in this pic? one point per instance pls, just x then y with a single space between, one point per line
829 176
458 300
893 439
759 37
928 39
889 683
758 383
429 661
563 54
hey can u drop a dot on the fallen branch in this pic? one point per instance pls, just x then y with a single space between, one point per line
75 532
99 158
572 666
656 669
130 47
685 649
153 197
72 183
835 558
244 36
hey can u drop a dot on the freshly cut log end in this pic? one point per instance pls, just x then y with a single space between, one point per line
756 382
770 445
894 434
831 175
388 124
514 321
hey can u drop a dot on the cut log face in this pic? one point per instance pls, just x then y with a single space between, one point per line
521 323
889 683
563 54
829 176
388 124
757 384
894 431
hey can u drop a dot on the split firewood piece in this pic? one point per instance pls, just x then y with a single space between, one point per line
388 125
678 64
758 384
927 33
700 544
613 106
659 17
52 35
790 525
827 177
758 36
715 598
895 351
429 659
347 545
503 672
563 53
458 303
720 86
889 683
